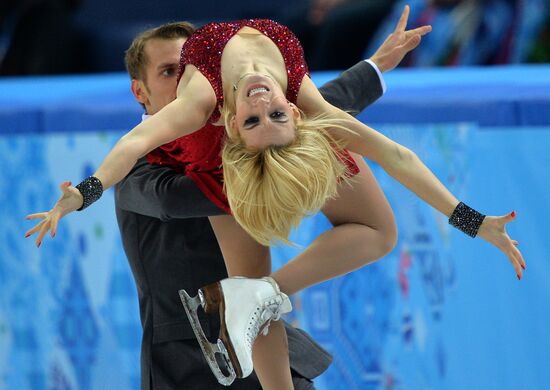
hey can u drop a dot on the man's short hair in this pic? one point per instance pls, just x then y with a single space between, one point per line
136 59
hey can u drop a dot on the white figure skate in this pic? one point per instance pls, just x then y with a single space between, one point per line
246 307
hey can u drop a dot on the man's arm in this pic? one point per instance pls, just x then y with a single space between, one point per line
160 192
355 89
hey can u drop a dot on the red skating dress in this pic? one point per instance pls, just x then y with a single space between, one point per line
197 155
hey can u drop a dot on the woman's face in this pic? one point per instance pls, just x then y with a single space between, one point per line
263 116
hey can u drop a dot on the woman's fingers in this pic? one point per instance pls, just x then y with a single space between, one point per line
64 187
509 217
512 251
55 221
34 229
36 215
43 230
50 219
515 262
515 257
517 254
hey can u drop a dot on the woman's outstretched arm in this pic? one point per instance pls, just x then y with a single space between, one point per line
399 161
405 166
186 114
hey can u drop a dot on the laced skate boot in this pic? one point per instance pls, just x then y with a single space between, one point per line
246 307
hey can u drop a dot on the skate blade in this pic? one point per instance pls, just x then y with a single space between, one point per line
209 350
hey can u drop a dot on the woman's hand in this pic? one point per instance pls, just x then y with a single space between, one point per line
71 200
493 230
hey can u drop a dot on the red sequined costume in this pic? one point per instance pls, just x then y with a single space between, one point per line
197 155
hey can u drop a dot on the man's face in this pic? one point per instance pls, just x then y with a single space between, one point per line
159 87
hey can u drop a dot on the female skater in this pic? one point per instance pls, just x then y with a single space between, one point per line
282 159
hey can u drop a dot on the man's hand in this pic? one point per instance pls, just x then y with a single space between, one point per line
398 43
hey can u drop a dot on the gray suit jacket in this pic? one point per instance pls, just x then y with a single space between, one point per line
170 244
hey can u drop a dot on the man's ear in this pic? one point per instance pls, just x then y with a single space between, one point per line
139 91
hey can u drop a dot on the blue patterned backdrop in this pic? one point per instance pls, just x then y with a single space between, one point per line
442 311
68 312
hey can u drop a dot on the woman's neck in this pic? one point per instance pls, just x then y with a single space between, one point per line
251 53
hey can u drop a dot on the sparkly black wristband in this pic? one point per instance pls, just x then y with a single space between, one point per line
91 190
466 219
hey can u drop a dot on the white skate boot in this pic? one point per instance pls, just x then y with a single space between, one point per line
246 307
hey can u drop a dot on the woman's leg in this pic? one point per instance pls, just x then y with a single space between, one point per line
245 257
364 230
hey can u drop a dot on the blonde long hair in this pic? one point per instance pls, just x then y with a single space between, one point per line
271 190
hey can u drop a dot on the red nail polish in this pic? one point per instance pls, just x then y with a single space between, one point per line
522 266
27 235
519 277
513 214
53 236
38 245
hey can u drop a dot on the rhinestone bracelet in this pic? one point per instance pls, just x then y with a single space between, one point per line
466 219
91 190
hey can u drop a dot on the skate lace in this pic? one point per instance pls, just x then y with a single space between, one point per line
264 314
